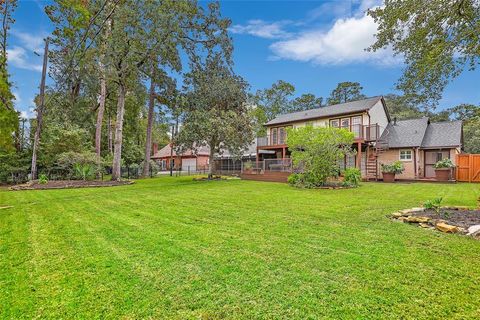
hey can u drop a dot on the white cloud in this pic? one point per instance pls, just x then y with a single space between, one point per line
331 9
345 42
30 41
17 57
23 114
263 29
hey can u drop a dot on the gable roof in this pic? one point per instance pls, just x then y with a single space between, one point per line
405 133
165 152
328 111
421 133
443 134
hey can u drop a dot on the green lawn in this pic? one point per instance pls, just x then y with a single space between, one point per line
174 248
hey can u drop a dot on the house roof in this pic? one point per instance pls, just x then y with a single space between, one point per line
328 111
250 151
443 134
165 152
421 133
405 133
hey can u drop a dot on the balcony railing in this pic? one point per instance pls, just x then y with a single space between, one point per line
361 132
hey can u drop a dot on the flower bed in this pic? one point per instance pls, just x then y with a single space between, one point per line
68 184
460 220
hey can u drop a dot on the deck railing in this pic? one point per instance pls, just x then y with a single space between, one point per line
361 132
267 165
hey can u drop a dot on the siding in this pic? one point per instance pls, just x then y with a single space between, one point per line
378 116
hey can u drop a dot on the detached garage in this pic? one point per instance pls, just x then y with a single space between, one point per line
189 165
188 161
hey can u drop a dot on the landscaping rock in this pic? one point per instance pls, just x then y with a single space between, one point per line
447 228
6 207
425 225
473 229
397 214
411 210
417 219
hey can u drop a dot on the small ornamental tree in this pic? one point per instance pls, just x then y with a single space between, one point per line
316 151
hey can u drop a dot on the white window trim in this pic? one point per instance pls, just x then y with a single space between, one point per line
406 160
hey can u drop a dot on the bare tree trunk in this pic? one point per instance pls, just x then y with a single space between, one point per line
110 145
210 162
36 140
101 111
117 153
148 140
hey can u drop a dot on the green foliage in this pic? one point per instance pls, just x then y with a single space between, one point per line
444 163
316 151
248 165
14 166
345 92
43 179
394 167
352 177
83 171
215 112
434 204
437 39
306 101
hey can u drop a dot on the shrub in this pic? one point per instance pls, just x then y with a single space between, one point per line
433 204
83 171
395 167
317 151
352 177
248 165
42 179
444 163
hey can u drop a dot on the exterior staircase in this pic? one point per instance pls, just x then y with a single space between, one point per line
375 150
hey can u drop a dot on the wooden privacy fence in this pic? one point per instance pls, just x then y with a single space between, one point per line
468 167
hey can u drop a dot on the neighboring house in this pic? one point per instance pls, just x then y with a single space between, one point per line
188 161
418 143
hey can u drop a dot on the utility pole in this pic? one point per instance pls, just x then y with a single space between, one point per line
36 141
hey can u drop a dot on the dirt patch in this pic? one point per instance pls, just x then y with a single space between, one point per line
68 184
458 217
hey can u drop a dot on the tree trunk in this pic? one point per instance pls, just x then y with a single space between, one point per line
148 140
117 152
101 111
210 162
36 140
110 144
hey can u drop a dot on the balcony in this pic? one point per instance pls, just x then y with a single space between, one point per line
361 132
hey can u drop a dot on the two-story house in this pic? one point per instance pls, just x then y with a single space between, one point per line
378 138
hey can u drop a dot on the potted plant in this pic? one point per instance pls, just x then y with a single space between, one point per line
390 170
443 168
247 167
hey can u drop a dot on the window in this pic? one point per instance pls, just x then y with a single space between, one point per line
274 136
335 123
345 123
281 133
405 155
357 126
309 124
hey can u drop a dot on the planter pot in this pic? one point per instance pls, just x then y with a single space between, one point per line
388 177
442 174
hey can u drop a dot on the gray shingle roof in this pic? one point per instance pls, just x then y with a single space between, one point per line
406 133
333 110
443 134
421 133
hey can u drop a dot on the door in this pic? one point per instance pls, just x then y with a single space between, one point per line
357 126
431 157
189 165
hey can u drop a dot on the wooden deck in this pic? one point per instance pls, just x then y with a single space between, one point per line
271 176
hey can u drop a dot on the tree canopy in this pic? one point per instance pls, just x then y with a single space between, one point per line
345 92
438 40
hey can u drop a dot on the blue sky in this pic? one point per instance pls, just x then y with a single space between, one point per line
311 44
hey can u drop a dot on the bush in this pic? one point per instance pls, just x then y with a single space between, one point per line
395 167
79 165
83 171
444 163
317 152
42 179
352 177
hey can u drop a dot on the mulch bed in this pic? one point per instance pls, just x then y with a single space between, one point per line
458 217
68 184
462 220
